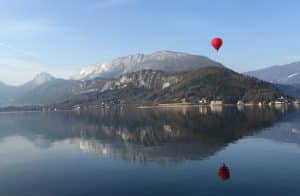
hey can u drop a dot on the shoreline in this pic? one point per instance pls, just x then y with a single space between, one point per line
172 105
166 105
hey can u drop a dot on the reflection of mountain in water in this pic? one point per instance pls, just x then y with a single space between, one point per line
160 135
167 153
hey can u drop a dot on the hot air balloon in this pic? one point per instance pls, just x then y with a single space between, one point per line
224 172
216 43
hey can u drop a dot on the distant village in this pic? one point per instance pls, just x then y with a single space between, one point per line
202 102
280 102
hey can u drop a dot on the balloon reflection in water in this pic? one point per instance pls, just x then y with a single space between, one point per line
224 172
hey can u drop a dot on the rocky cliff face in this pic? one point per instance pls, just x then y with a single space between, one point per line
149 79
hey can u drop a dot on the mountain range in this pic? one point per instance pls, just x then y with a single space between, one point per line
280 74
286 77
46 89
160 77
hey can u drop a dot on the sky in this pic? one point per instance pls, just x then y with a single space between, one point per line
61 36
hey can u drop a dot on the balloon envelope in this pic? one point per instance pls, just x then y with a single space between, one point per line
217 43
224 173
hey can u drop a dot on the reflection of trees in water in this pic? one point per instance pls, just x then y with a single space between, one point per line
162 135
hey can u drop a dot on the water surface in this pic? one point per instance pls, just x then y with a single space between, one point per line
175 151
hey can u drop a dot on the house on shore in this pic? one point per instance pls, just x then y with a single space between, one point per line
281 101
203 101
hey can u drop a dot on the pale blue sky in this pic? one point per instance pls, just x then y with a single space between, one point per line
61 36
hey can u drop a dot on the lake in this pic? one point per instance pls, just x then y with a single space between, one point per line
160 151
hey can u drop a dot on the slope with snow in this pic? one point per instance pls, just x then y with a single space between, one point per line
168 61
283 74
91 71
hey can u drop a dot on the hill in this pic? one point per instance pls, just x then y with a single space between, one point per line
153 87
13 95
53 91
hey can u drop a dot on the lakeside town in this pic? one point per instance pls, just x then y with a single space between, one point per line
280 102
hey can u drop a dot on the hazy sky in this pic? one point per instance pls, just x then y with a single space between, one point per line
60 36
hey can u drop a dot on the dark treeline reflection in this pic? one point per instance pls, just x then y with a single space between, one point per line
162 135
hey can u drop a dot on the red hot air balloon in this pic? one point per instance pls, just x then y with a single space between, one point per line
217 43
224 172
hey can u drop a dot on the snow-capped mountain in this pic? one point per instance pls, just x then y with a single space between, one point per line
42 78
163 60
38 80
282 74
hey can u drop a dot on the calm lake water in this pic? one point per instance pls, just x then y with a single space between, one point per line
175 151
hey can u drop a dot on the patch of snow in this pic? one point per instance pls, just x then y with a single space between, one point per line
293 75
42 78
167 128
166 85
124 79
90 71
142 83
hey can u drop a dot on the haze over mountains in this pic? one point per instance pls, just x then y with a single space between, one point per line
163 76
10 94
40 79
286 77
280 74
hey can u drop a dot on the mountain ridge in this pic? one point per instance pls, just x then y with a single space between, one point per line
279 74
285 77
165 60
11 94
